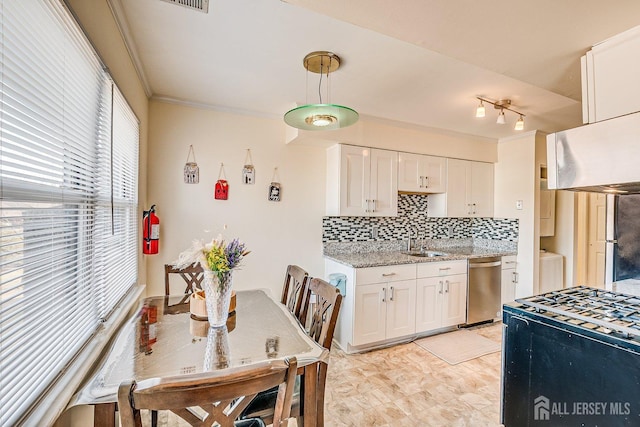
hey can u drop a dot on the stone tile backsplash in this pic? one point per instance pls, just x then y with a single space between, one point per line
412 218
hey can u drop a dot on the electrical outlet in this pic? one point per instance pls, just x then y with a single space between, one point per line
374 232
519 205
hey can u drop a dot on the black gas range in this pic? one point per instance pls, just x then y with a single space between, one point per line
571 358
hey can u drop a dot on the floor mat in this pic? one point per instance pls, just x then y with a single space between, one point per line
458 346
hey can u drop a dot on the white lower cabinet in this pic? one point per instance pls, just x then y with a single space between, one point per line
384 311
509 279
386 303
441 295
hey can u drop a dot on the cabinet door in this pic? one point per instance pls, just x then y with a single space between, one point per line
354 180
458 185
482 189
369 318
401 308
614 75
454 304
429 303
508 286
409 172
383 190
434 173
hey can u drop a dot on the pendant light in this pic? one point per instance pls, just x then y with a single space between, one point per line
519 124
321 116
500 119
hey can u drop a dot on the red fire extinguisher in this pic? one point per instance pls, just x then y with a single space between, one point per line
150 231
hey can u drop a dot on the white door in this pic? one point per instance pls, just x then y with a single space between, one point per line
409 172
401 308
370 314
434 173
458 178
597 240
429 303
482 189
354 180
454 305
383 191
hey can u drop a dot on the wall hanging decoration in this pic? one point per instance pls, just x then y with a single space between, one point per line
248 172
274 187
222 186
191 169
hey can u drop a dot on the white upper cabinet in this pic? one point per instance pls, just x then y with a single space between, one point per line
421 174
469 191
610 73
361 181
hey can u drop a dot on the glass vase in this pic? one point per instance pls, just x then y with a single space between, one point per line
217 291
217 355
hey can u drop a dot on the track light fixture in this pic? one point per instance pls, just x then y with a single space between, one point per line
502 104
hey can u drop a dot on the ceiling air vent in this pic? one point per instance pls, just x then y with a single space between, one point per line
201 5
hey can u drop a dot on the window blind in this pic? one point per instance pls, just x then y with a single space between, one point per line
68 197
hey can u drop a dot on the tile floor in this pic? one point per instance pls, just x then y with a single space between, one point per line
406 385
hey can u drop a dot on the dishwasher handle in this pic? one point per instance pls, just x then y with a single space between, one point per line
485 264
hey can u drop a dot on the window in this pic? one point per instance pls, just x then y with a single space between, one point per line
68 198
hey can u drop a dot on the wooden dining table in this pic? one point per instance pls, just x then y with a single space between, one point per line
162 339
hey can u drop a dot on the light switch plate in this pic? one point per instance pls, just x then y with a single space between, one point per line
519 205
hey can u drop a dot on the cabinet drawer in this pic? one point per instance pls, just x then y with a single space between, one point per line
387 273
509 262
443 268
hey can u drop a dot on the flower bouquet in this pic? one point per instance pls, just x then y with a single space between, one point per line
218 259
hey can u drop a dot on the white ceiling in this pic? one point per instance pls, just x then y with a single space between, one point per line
421 62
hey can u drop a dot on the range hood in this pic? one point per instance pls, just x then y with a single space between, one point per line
602 157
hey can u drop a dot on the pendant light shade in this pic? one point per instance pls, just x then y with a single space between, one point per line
321 116
500 119
519 124
480 111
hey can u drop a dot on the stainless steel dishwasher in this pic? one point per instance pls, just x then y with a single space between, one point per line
483 299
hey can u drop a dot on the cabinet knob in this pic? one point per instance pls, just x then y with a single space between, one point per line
391 296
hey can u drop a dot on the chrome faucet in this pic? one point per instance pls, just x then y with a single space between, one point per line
409 245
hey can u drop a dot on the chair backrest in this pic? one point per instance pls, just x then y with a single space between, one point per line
221 394
192 276
324 314
295 292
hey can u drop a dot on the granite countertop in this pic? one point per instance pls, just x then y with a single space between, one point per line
381 258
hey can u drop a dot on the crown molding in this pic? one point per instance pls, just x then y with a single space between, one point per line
121 22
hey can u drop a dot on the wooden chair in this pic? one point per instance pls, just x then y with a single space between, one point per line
295 292
192 275
222 395
324 316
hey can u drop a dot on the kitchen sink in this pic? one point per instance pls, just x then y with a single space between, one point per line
428 254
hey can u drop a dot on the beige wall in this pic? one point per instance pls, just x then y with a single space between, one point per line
277 233
379 133
515 179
